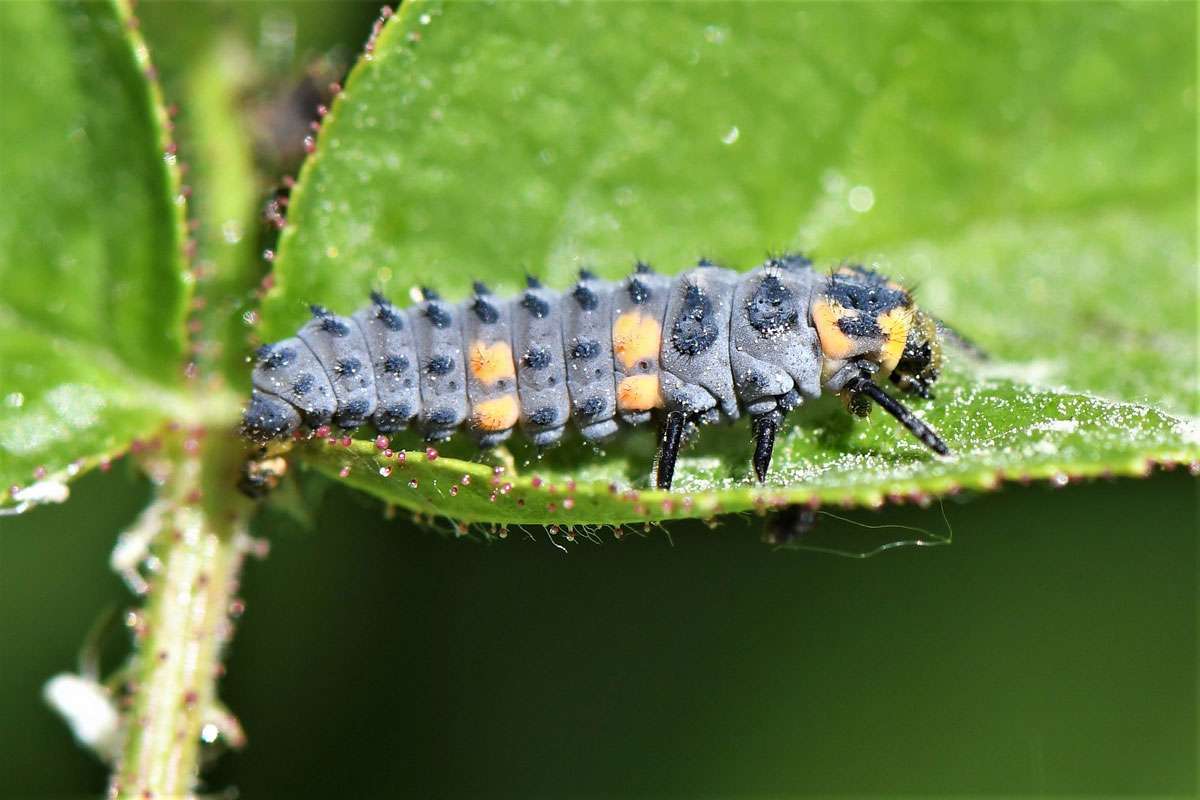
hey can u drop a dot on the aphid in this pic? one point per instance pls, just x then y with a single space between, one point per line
709 344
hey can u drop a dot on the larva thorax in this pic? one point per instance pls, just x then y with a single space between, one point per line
706 345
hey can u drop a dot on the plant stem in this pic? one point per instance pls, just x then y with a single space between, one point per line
195 565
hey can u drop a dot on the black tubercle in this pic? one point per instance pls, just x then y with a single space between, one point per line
487 313
535 305
440 417
544 416
392 417
395 364
532 282
585 297
439 365
586 274
642 268
639 292
479 287
772 310
536 358
437 315
334 326
791 261
275 357
346 366
429 294
585 349
392 319
694 330
591 407
303 384
352 414
318 310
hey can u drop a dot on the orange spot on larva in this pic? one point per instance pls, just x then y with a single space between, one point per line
497 414
491 362
636 337
639 393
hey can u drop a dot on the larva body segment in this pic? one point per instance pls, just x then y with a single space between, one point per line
338 345
437 337
289 372
542 374
269 417
587 343
491 372
393 358
696 377
639 303
775 355
709 344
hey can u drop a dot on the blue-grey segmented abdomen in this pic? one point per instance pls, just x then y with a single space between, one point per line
541 371
775 356
491 373
696 377
438 339
587 342
639 303
338 345
290 388
393 358
710 343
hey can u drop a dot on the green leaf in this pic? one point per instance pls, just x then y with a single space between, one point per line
234 71
227 200
996 429
92 336
1031 168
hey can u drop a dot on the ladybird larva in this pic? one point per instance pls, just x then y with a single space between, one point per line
707 345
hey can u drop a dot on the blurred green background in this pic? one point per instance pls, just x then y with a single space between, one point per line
1051 650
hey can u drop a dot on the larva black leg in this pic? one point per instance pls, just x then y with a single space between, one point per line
765 426
867 388
668 451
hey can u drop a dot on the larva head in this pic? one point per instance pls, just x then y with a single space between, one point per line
920 363
864 318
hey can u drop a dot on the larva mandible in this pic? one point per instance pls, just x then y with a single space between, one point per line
706 345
